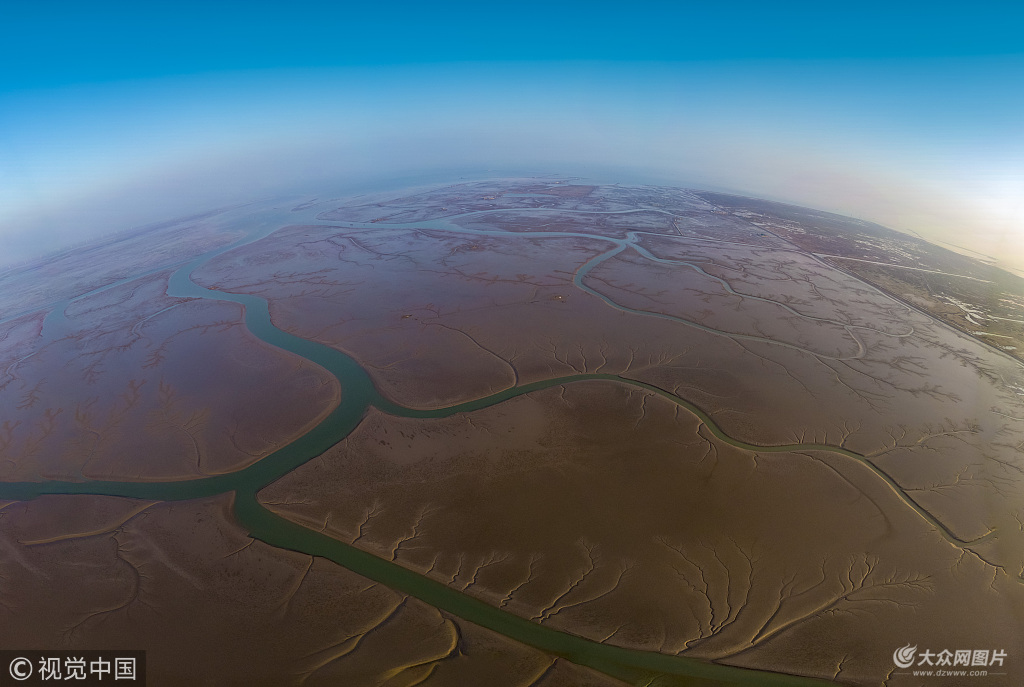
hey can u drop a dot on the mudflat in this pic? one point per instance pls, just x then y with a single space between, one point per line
659 420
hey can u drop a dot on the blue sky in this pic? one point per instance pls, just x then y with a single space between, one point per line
119 114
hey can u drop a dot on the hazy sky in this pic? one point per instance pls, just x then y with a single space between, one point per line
130 113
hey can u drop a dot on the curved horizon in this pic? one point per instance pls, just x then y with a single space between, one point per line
114 126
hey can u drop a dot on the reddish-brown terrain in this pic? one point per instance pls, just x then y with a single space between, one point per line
693 427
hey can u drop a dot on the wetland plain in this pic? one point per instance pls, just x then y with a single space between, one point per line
523 432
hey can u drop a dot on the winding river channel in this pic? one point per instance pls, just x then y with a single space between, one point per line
358 396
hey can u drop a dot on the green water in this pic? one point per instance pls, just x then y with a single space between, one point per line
358 395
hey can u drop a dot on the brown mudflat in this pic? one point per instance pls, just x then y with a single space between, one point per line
212 606
787 350
608 513
142 386
891 516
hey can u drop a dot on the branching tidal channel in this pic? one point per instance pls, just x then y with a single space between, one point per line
358 396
